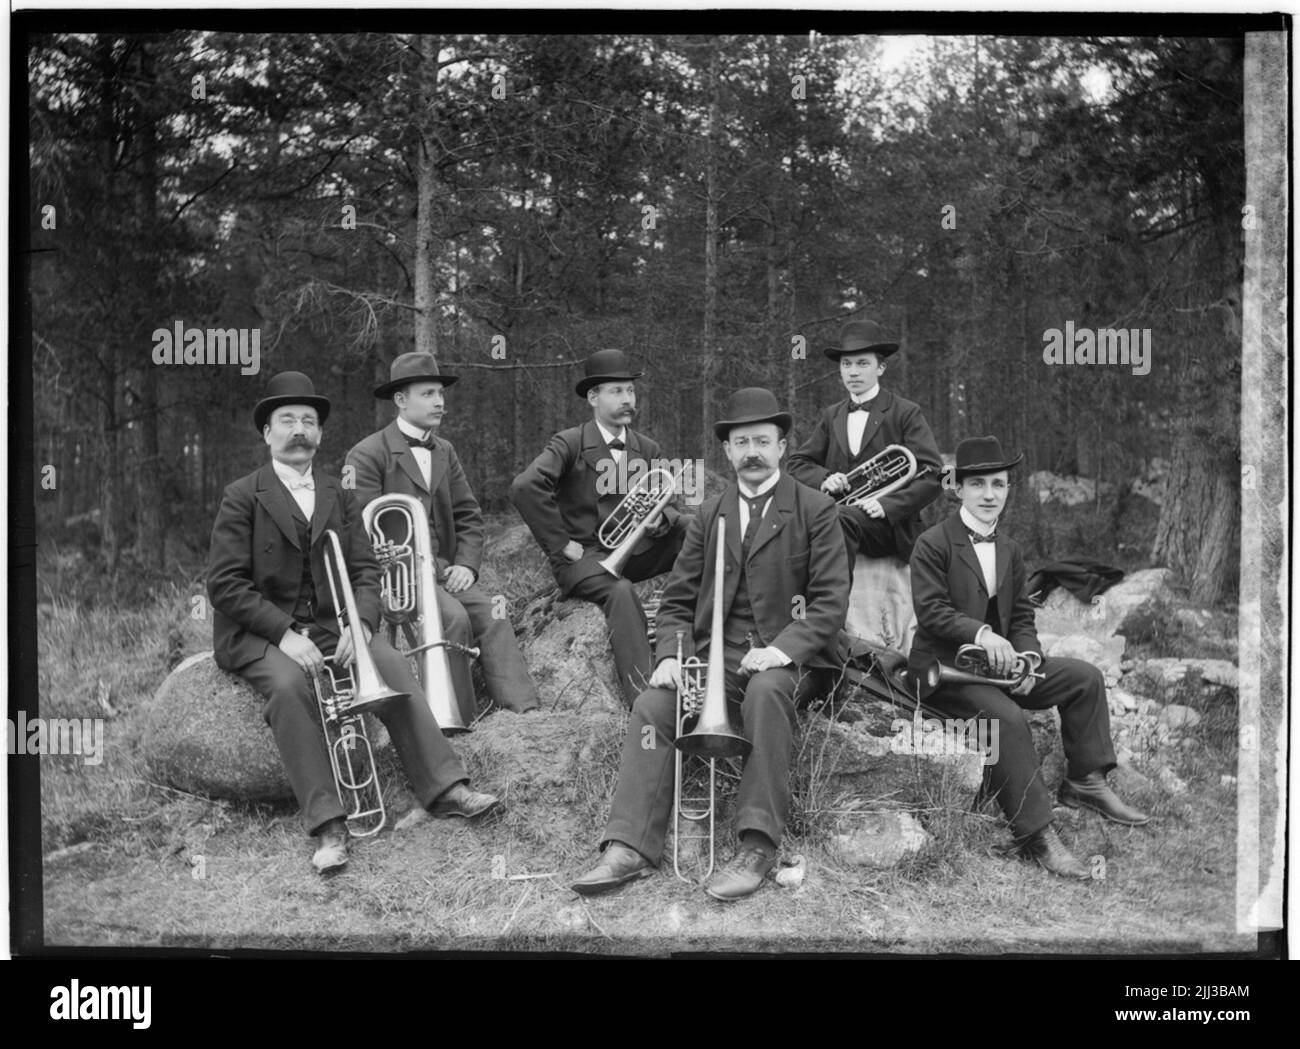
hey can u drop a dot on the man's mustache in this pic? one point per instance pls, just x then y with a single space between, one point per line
301 442
753 460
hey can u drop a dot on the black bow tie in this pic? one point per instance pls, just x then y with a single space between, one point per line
616 445
864 406
975 537
419 442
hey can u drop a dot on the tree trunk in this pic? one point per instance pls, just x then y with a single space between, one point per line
426 320
712 358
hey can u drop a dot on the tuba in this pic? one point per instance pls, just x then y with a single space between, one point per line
971 667
884 472
703 696
409 594
623 529
344 698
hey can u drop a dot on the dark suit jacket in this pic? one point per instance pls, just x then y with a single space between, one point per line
385 464
798 553
255 563
950 598
892 420
558 496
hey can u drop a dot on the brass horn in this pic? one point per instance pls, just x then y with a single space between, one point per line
884 472
410 601
623 529
344 698
971 667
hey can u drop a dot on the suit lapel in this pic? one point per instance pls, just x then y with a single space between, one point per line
275 498
326 496
965 549
405 456
730 506
875 418
1002 549
593 445
778 513
840 427
439 464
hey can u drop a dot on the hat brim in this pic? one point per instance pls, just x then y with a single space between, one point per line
723 427
880 349
978 469
267 405
595 380
393 385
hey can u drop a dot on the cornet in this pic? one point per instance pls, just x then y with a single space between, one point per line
703 696
409 592
971 667
344 699
623 529
885 472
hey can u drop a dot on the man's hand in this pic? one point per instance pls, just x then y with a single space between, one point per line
757 660
572 551
870 506
458 578
1002 656
835 484
1025 687
301 650
656 526
343 654
667 674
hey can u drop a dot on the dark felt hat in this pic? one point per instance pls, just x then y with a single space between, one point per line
605 366
753 404
409 368
861 336
289 388
982 455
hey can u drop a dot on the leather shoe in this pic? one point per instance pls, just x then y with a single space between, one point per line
331 846
741 875
618 865
460 801
1047 849
1094 792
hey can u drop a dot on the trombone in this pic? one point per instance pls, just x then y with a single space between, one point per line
703 696
347 694
409 592
623 529
885 472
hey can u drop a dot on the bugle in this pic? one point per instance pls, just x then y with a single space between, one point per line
344 697
409 594
623 529
885 472
703 696
971 667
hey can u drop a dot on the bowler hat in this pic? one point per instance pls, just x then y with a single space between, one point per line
409 368
289 388
753 404
605 366
982 455
860 337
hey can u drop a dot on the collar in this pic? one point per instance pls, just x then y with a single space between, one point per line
288 473
874 391
610 436
970 522
411 431
762 489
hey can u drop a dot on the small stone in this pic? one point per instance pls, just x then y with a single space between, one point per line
1177 717
1170 781
791 873
881 839
1121 701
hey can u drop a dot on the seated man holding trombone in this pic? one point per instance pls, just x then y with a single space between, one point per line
294 588
746 630
873 452
575 500
973 611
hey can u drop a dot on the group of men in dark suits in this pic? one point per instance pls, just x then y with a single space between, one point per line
788 554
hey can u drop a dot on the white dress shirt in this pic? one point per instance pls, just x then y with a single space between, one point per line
857 421
423 456
988 558
609 435
301 485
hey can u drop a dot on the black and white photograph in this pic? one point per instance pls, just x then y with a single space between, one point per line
650 484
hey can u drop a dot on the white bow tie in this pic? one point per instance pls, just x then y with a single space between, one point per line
307 483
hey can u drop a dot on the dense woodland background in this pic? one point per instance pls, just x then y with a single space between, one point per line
500 187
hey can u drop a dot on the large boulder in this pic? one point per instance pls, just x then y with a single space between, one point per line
1064 614
879 840
203 732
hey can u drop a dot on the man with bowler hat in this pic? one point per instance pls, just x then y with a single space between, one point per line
968 587
564 496
274 620
784 592
851 431
409 457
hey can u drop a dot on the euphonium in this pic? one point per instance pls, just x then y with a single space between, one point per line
410 593
884 472
971 667
623 529
703 696
344 699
